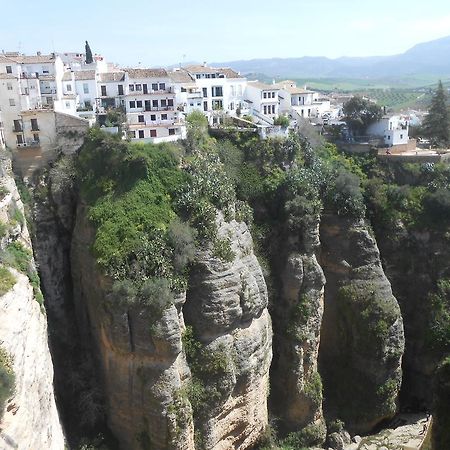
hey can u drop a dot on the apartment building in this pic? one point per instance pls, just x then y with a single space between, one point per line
150 105
222 90
188 96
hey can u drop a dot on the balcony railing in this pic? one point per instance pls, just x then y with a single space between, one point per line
169 90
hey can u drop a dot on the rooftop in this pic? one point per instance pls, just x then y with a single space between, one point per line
111 76
27 59
181 76
147 73
263 86
226 71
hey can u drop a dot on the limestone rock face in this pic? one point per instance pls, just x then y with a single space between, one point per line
142 367
362 333
227 308
298 314
31 419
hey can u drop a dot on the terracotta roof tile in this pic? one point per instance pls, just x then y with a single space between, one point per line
147 73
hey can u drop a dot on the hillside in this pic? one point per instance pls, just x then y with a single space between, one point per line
425 61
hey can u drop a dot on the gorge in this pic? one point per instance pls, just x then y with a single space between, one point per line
226 293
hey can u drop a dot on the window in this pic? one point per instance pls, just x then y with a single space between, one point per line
67 105
265 109
401 136
87 104
171 131
85 88
139 87
264 94
17 125
155 103
205 106
145 89
132 104
154 86
120 89
35 137
273 109
19 139
34 125
131 87
147 104
140 118
69 88
197 76
139 104
103 89
152 133
273 94
141 134
132 134
170 102
162 86
163 116
217 104
217 91
163 103
205 92
8 69
153 117
12 102
9 86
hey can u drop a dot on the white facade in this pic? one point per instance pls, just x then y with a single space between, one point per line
264 99
222 90
394 130
150 105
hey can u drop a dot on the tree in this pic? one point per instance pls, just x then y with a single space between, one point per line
436 125
89 58
360 113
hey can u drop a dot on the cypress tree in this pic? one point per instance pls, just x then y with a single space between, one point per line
436 125
89 58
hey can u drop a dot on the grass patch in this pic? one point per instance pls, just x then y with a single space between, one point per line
7 280
7 379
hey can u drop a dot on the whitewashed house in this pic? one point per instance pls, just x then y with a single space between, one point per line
264 100
150 104
394 130
188 95
222 90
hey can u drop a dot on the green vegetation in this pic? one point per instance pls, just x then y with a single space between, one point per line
7 379
281 120
3 229
7 280
436 124
87 48
360 113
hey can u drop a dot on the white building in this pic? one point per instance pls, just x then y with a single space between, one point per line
264 100
222 90
150 104
301 103
392 129
188 95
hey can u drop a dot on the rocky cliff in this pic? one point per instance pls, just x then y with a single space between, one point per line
298 315
150 388
362 339
31 419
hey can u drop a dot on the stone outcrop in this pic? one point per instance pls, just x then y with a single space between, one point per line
142 367
31 419
297 312
227 309
362 339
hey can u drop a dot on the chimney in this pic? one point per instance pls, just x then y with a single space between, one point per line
38 53
204 63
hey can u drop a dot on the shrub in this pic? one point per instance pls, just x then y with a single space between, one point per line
182 239
17 256
283 121
311 435
123 292
3 192
156 294
3 229
7 379
313 389
7 280
222 250
437 205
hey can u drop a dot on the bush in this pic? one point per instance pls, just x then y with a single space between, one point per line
437 205
7 280
156 294
7 379
311 435
182 239
3 229
283 121
222 250
17 256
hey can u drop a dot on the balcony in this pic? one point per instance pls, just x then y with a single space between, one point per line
29 143
169 90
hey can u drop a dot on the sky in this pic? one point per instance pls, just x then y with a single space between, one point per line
158 33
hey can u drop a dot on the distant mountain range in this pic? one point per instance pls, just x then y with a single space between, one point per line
429 59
